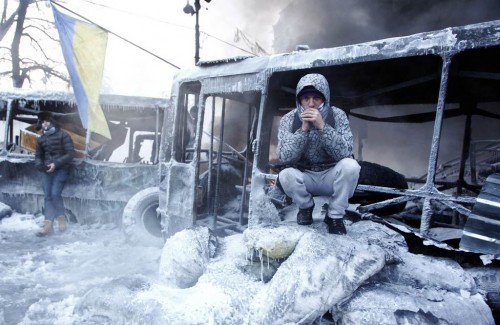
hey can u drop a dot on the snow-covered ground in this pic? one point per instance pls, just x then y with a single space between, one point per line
92 275
43 279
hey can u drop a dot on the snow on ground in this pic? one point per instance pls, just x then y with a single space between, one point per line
92 275
43 279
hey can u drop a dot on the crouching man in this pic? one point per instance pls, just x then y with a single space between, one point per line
53 156
316 139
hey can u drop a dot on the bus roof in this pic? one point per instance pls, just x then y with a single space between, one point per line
446 41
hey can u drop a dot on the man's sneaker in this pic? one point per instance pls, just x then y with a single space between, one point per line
335 226
304 216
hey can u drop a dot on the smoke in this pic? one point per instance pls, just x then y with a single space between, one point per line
254 19
330 23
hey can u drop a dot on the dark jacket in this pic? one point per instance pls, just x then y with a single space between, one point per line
55 148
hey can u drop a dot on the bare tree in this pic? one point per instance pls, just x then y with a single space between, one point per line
34 35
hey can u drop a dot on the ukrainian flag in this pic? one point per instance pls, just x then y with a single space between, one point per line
84 50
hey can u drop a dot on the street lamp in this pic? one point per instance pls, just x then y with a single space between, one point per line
188 9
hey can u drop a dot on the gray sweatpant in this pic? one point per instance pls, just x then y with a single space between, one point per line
338 182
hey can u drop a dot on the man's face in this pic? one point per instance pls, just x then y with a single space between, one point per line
311 101
45 124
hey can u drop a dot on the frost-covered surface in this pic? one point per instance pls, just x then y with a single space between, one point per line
358 277
434 42
183 270
96 191
106 100
43 279
90 275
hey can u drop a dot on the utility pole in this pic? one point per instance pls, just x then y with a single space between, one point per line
188 9
197 33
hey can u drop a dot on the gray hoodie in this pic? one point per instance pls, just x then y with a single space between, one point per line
316 146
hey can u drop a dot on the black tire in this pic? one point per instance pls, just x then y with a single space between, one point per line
378 175
140 220
5 211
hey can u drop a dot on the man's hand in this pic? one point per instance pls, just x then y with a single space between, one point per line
51 167
312 115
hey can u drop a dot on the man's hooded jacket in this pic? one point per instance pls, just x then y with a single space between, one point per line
315 147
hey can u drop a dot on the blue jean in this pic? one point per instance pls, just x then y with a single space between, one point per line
53 184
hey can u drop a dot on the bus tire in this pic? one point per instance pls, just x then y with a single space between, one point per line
378 175
140 221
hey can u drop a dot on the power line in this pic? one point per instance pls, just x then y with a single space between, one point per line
136 15
220 40
170 23
120 37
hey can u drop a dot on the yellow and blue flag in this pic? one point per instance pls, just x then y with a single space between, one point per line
84 50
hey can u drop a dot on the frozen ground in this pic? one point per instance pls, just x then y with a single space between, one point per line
43 279
90 275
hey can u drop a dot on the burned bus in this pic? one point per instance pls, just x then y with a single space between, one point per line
106 173
423 108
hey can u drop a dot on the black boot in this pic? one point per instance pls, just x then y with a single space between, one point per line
304 217
335 226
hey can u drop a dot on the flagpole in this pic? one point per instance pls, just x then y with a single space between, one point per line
87 143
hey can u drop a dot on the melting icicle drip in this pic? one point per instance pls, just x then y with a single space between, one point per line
261 265
259 253
250 254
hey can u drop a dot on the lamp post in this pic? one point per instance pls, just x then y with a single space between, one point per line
188 9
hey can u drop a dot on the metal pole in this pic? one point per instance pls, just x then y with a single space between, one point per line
210 159
157 135
8 125
197 33
219 163
88 137
245 172
465 154
465 146
436 136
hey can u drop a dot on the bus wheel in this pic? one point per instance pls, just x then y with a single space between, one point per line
140 220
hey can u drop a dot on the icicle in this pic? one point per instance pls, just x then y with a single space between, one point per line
261 266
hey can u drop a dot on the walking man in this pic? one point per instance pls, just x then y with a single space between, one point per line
53 156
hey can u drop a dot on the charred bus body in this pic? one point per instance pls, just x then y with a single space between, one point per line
105 173
218 140
422 79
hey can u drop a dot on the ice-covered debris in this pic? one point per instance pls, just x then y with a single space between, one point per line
185 256
405 268
486 278
115 303
273 242
396 304
5 211
20 222
347 275
421 271
373 233
322 271
487 259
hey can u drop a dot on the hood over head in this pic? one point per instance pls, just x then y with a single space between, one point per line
318 82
